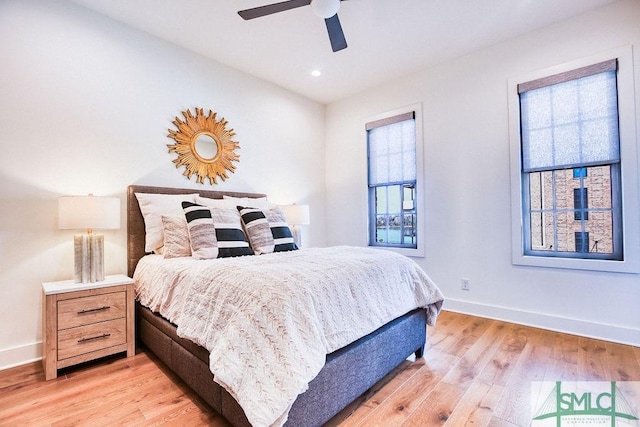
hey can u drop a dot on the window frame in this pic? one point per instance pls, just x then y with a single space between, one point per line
419 250
373 225
628 170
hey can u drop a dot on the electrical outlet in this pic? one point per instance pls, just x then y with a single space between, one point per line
465 285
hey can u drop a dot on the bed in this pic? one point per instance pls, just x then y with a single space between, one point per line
347 373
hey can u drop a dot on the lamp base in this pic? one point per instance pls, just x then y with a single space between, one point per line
88 258
297 236
97 257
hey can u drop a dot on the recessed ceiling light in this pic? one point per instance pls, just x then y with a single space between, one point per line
316 73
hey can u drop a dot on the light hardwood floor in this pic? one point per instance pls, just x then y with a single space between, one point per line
476 372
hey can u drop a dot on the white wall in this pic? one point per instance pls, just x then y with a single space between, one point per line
467 191
85 104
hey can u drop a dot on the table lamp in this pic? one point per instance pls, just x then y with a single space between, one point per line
296 215
88 213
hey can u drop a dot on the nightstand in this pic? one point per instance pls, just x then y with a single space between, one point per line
85 321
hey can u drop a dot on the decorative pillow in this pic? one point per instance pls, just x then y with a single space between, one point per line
176 237
202 233
258 230
280 230
153 206
258 203
231 238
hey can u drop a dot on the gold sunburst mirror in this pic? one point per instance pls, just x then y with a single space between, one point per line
204 146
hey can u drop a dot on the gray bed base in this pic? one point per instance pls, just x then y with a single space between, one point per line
347 374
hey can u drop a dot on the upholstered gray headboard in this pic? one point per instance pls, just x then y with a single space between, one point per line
135 222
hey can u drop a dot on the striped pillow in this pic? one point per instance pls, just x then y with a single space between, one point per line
231 239
280 230
258 230
202 233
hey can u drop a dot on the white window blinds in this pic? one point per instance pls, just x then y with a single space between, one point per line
392 150
570 119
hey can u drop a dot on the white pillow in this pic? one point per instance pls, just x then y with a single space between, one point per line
153 206
248 202
215 203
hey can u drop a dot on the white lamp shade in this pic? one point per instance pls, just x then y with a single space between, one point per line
88 212
296 214
325 8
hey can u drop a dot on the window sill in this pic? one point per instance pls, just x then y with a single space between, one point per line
410 252
577 264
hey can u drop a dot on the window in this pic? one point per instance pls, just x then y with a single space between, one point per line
579 172
580 203
582 241
574 166
393 158
569 121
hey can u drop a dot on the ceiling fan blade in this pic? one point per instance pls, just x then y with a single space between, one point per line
336 35
269 9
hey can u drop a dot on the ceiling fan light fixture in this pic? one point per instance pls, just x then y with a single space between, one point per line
325 8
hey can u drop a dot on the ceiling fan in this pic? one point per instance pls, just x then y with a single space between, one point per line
327 9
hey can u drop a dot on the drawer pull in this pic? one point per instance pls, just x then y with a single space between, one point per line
93 310
82 340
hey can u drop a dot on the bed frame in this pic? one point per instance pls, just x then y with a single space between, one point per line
347 374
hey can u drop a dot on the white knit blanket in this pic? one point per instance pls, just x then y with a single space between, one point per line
270 320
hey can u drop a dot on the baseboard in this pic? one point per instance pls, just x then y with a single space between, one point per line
16 356
602 331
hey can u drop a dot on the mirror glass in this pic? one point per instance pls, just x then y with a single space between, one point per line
206 146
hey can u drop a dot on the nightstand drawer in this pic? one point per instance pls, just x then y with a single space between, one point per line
92 309
85 339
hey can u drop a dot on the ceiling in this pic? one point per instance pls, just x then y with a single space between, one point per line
387 39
